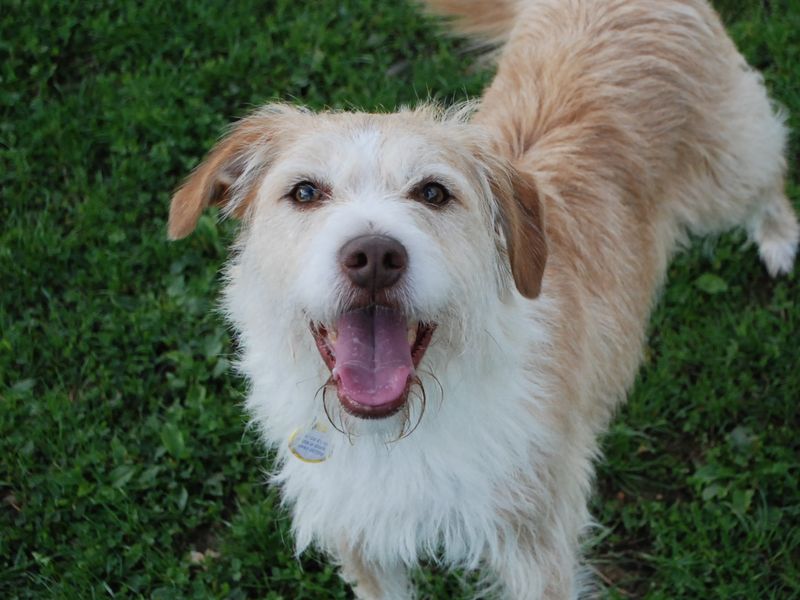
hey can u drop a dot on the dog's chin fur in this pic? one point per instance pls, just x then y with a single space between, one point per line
611 132
448 487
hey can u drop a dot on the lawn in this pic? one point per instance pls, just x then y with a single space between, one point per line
126 468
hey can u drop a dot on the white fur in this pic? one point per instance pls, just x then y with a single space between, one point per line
497 472
433 494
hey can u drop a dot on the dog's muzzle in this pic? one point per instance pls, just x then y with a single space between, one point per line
373 349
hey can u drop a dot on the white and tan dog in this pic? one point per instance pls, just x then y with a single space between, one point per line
447 306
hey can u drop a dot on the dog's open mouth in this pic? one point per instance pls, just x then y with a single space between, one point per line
373 354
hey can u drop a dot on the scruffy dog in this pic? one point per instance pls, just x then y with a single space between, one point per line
439 310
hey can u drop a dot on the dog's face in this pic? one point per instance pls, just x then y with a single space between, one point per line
375 234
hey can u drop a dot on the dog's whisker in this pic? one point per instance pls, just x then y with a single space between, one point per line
300 382
440 399
404 430
325 408
321 389
346 428
423 404
433 376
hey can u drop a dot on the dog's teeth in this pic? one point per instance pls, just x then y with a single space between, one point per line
412 334
332 335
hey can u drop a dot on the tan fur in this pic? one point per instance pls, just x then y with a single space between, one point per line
233 168
490 21
523 228
613 107
209 184
613 130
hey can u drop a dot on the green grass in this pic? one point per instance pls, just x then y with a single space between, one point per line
123 447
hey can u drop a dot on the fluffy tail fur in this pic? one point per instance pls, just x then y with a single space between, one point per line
488 21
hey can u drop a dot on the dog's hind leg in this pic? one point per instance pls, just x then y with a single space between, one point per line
737 174
775 230
756 146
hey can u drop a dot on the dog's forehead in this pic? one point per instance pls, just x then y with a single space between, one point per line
376 150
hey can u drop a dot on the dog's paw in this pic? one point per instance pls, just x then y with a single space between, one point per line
777 233
778 255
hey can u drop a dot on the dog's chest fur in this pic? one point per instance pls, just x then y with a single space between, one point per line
447 489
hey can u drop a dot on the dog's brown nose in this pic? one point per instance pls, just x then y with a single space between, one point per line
373 262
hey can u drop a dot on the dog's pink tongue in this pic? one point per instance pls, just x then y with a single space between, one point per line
373 356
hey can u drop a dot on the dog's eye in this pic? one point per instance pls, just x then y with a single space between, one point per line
434 194
305 192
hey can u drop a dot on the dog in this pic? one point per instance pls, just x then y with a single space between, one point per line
439 309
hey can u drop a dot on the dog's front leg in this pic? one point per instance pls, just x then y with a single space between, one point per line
537 567
371 581
524 577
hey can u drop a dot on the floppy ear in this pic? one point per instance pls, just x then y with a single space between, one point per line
522 225
228 175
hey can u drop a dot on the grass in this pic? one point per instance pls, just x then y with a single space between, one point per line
123 449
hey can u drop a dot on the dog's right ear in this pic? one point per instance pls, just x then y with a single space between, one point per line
521 221
229 175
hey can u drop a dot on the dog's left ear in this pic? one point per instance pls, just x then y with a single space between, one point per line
522 224
229 174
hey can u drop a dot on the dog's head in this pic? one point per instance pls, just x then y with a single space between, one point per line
379 235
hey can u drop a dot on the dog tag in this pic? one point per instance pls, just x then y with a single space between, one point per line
311 445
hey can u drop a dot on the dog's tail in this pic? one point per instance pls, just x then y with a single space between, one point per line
488 20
